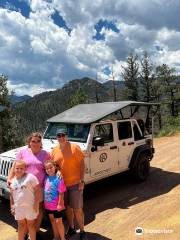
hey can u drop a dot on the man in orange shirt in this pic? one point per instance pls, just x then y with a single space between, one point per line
70 159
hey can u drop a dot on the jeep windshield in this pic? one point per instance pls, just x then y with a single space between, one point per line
75 132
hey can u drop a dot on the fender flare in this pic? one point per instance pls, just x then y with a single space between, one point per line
138 151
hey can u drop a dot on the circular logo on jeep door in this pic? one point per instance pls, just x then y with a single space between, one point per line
103 157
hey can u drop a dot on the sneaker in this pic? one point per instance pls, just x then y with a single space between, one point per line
38 236
70 233
83 236
26 237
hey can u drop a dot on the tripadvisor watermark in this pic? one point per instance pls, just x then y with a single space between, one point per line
141 231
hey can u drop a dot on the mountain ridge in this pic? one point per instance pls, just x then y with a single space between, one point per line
14 99
32 114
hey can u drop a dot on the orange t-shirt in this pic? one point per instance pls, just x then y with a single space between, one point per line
69 161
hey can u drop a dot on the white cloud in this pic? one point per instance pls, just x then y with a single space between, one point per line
172 58
37 54
169 38
23 88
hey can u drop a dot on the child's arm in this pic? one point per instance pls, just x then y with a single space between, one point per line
12 203
11 171
36 197
10 174
60 206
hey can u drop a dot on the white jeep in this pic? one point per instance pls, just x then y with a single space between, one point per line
114 136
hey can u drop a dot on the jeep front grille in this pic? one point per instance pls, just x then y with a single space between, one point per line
5 165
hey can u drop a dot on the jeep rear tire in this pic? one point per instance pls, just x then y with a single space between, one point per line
140 171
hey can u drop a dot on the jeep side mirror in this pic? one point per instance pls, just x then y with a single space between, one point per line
97 141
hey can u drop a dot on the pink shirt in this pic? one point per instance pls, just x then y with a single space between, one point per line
34 162
52 187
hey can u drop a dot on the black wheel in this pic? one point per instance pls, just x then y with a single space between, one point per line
141 169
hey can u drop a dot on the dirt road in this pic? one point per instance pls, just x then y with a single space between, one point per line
115 207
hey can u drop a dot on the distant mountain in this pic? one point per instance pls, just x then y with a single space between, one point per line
32 114
17 99
118 84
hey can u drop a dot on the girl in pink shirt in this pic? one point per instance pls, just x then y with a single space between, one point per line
54 189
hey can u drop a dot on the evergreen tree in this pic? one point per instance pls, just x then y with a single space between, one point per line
8 137
130 75
78 98
157 95
146 78
166 76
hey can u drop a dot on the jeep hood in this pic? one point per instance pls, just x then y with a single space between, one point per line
11 153
48 145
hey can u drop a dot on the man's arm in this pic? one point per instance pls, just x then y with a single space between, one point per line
82 171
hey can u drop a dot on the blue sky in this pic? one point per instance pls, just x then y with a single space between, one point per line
45 44
17 5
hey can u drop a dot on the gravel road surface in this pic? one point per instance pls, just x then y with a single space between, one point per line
116 206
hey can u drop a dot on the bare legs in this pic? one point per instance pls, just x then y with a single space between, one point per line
39 217
78 214
32 229
60 227
23 225
54 228
22 229
70 216
57 226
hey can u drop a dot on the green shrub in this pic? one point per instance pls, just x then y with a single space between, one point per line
171 125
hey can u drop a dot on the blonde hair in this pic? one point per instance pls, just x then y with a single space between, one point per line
35 134
20 161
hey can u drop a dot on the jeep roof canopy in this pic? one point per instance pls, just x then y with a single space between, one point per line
89 113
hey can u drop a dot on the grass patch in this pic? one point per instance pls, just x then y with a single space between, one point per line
171 125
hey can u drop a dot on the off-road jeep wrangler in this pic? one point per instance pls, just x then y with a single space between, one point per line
114 136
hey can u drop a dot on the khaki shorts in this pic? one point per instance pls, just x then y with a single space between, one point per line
25 213
73 197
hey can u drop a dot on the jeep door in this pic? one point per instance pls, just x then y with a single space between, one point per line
103 158
125 143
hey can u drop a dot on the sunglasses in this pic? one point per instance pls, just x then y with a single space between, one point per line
60 135
38 141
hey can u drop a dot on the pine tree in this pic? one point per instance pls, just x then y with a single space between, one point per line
167 78
8 133
78 98
146 78
130 75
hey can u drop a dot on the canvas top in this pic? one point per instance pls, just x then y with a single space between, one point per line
89 113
